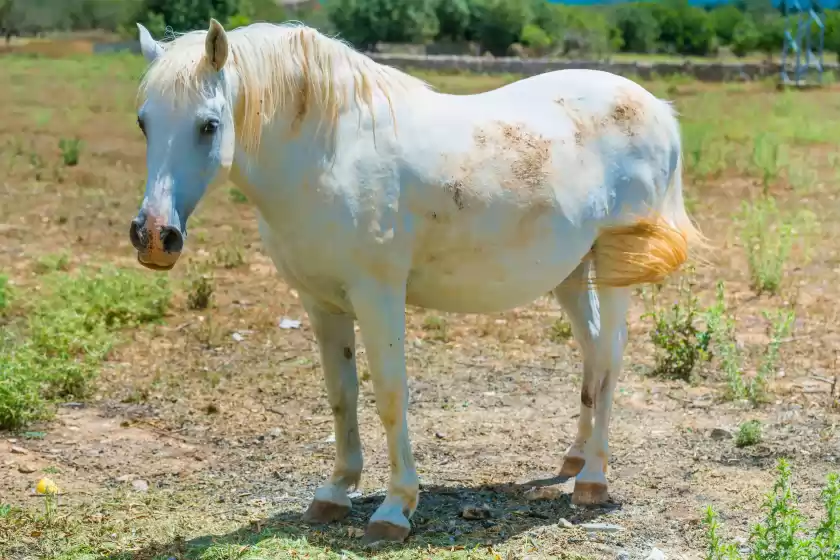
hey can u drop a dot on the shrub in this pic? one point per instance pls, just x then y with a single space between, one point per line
367 22
638 28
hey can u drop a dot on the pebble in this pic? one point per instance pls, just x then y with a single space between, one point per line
601 527
19 450
26 469
720 433
564 523
476 512
275 432
622 555
543 493
655 554
140 485
355 532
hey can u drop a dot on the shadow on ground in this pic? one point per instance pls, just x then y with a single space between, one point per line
500 513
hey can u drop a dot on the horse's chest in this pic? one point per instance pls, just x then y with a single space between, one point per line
306 267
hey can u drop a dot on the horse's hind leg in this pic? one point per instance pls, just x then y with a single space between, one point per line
599 324
336 341
581 306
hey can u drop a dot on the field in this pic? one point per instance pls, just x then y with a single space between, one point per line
182 417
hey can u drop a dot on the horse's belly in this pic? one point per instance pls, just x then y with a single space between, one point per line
491 279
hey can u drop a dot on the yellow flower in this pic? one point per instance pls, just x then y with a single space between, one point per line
46 486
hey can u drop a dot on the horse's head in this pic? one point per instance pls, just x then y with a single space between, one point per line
186 115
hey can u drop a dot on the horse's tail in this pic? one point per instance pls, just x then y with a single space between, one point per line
652 248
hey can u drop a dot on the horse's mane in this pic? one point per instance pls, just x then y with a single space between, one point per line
277 65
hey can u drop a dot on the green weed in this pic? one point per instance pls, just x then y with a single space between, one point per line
782 534
436 326
229 257
199 288
768 236
71 324
237 196
680 344
749 433
71 149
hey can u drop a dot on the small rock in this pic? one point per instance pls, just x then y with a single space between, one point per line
440 435
275 432
720 433
26 469
237 337
125 477
601 527
655 554
622 555
286 323
330 439
355 532
564 523
476 512
140 485
543 493
19 450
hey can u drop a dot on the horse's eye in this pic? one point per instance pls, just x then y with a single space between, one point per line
209 127
142 125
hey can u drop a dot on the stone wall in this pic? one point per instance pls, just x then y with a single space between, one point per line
707 72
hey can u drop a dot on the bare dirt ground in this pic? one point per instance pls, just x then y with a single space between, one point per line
214 426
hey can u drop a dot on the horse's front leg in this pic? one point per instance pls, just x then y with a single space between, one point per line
336 340
380 310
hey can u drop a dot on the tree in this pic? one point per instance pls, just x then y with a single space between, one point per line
186 15
639 29
367 22
745 37
454 18
726 19
499 23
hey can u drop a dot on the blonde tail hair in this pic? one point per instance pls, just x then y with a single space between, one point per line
652 248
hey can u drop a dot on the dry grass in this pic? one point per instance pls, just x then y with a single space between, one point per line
224 414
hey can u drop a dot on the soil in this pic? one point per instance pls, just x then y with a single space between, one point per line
226 405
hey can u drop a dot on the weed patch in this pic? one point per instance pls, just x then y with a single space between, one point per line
782 533
71 324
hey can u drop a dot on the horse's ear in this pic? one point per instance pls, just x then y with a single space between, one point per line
216 45
150 48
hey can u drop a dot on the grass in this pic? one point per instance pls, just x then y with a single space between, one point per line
749 433
64 330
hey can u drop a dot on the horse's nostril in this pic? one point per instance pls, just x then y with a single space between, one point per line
137 234
172 239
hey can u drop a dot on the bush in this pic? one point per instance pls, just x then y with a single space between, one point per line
185 15
454 19
685 29
367 22
745 37
497 24
726 20
638 28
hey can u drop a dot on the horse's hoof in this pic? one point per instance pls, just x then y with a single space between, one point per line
572 467
590 494
384 531
325 512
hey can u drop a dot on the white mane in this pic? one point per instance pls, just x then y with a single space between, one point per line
277 67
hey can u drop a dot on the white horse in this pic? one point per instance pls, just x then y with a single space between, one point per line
374 191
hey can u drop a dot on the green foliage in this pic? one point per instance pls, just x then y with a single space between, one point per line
745 37
454 19
782 534
680 343
684 28
638 27
726 19
536 38
749 433
71 149
768 235
70 326
497 24
367 22
185 15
